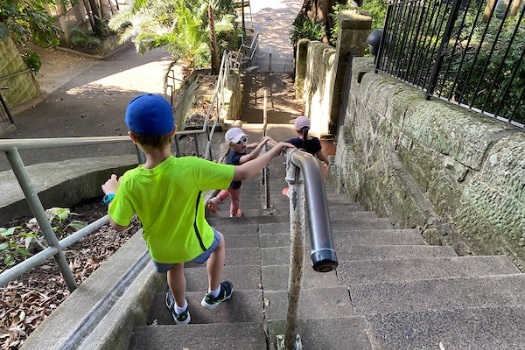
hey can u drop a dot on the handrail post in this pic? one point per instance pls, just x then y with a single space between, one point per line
40 214
291 340
266 170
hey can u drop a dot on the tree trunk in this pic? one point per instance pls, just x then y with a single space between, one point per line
213 42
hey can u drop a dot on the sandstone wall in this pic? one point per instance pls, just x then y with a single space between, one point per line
455 175
15 75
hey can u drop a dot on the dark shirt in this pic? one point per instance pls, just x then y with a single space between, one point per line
234 158
311 146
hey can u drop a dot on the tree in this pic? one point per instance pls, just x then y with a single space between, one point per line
26 20
186 28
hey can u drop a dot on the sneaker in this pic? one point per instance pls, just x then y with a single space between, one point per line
211 302
182 318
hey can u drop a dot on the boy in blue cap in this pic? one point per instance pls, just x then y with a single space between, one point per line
166 193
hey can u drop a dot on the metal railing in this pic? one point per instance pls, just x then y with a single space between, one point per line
55 247
307 194
470 53
5 114
217 105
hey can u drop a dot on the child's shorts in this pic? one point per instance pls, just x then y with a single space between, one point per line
201 259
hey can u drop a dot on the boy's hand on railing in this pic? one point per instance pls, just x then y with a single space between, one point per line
111 186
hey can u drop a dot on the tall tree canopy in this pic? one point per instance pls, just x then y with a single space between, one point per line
186 28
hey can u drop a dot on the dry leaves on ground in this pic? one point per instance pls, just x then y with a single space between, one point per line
27 301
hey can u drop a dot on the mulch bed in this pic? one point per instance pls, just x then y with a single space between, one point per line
27 301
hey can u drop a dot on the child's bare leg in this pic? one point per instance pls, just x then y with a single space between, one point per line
177 283
236 202
215 265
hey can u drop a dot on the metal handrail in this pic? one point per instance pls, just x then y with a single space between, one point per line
306 189
11 146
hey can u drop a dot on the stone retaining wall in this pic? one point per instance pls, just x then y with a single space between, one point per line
455 175
15 75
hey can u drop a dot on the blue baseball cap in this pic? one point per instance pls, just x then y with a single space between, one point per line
150 115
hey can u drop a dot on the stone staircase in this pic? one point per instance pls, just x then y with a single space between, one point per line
390 291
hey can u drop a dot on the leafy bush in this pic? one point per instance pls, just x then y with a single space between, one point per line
84 38
26 20
304 28
33 61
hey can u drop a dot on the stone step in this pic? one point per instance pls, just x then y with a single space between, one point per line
275 278
344 239
249 213
501 328
334 333
243 221
356 224
318 303
243 306
243 277
281 255
439 294
237 256
369 271
246 336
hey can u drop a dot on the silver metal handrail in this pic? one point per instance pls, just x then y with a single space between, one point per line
306 192
10 147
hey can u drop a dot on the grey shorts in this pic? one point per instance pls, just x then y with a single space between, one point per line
201 259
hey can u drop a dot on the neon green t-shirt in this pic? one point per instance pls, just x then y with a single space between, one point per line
169 202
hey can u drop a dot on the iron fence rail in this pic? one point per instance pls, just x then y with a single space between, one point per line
467 52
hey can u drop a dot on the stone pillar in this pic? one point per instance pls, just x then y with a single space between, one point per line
354 29
300 66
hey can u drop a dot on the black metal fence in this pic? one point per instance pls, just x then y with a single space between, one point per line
467 52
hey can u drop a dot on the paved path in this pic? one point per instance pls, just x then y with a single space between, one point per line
88 97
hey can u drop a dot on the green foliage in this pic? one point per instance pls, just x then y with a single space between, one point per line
482 60
33 61
11 251
16 243
375 8
179 26
304 28
81 37
334 31
27 20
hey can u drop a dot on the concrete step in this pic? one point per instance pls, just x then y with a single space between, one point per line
439 294
281 255
355 225
318 303
224 213
501 328
243 306
333 333
237 257
369 271
275 278
247 277
246 336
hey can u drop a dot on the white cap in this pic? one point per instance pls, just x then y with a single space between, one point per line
301 122
234 135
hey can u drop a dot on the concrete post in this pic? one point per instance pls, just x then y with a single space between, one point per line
354 29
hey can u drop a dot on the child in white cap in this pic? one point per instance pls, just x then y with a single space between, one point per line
166 193
237 155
